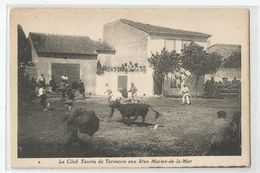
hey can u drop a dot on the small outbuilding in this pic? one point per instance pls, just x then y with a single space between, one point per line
74 56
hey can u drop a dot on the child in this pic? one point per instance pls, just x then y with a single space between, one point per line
43 98
185 95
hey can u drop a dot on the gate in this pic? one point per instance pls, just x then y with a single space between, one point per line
71 70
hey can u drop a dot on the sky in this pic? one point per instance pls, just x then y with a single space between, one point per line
228 26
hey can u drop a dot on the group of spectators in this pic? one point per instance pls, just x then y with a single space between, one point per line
66 89
125 67
39 87
212 88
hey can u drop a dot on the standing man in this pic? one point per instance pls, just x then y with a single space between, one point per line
41 80
81 88
75 85
32 86
185 95
63 86
43 98
211 87
133 90
52 84
108 90
206 88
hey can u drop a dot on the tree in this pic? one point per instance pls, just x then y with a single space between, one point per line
233 61
164 63
195 59
23 59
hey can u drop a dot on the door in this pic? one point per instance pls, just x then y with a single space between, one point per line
122 85
60 69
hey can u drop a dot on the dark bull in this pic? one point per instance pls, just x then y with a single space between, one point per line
133 110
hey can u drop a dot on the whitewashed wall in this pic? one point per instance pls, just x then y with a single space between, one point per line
106 59
178 46
143 82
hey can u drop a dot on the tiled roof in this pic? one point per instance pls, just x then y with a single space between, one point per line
52 43
225 50
226 45
162 31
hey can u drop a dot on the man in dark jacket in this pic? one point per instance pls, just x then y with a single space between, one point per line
52 84
79 120
75 85
81 88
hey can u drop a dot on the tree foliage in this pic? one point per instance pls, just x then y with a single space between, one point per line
193 57
233 61
23 59
163 63
24 55
198 61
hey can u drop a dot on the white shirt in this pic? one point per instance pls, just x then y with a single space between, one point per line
108 90
220 127
184 90
41 91
40 79
64 77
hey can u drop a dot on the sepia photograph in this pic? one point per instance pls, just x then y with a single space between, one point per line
128 87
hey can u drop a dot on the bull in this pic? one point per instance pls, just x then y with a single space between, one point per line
132 110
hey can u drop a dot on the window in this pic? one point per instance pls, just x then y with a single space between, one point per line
170 44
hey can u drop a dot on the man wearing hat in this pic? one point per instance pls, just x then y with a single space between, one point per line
79 119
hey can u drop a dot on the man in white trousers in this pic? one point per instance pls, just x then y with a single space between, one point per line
185 95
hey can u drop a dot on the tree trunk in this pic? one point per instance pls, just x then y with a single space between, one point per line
158 89
162 80
196 85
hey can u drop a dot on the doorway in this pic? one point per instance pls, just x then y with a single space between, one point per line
122 85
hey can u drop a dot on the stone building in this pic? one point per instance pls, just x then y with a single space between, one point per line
134 42
75 56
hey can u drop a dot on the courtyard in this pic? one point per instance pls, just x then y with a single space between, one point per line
183 130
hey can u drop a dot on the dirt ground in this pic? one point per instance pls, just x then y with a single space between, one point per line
183 130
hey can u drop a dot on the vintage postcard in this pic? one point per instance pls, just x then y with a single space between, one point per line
129 88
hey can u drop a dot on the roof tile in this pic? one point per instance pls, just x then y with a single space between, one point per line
53 43
162 31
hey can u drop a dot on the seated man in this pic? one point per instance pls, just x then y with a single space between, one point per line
220 126
222 139
79 120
